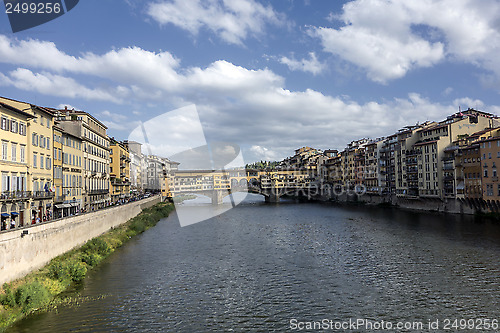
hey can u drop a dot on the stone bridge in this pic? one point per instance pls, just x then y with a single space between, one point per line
216 184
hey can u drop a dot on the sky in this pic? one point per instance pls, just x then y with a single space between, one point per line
268 76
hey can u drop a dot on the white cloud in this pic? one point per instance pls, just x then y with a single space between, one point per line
447 91
133 65
466 102
312 65
232 20
251 108
66 105
263 153
390 38
55 85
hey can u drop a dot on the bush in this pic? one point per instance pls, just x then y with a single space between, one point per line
77 270
97 245
32 296
8 299
58 271
91 259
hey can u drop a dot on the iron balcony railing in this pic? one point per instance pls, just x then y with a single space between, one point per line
42 194
15 195
94 192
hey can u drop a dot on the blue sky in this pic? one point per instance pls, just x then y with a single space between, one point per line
268 76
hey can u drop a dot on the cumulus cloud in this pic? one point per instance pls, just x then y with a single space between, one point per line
68 106
390 38
232 20
251 108
55 85
263 153
311 65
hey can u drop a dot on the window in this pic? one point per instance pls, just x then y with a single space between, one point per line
14 152
5 124
48 163
22 129
494 171
22 153
35 157
4 150
486 173
41 161
14 128
41 120
47 141
5 182
489 189
489 155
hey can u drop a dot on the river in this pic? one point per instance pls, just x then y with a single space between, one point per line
263 268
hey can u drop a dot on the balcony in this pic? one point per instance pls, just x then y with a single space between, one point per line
96 192
15 195
42 195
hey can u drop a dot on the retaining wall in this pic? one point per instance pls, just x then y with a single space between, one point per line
19 255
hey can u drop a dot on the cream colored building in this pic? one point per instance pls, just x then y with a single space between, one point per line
72 176
14 197
39 158
435 139
95 160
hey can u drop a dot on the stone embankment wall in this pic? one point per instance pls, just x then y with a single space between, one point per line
452 206
22 253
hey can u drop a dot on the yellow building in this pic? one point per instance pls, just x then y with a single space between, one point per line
58 172
14 198
39 158
119 170
72 175
95 160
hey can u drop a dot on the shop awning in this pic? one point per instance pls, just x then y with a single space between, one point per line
14 213
5 215
63 206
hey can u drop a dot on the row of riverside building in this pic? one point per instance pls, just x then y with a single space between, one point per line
56 163
456 158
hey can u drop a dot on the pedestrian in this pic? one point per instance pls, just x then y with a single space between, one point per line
12 223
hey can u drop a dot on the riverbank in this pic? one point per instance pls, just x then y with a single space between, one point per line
38 291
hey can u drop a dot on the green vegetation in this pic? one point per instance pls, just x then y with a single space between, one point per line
39 290
263 165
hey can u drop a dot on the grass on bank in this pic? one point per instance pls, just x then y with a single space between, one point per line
39 290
